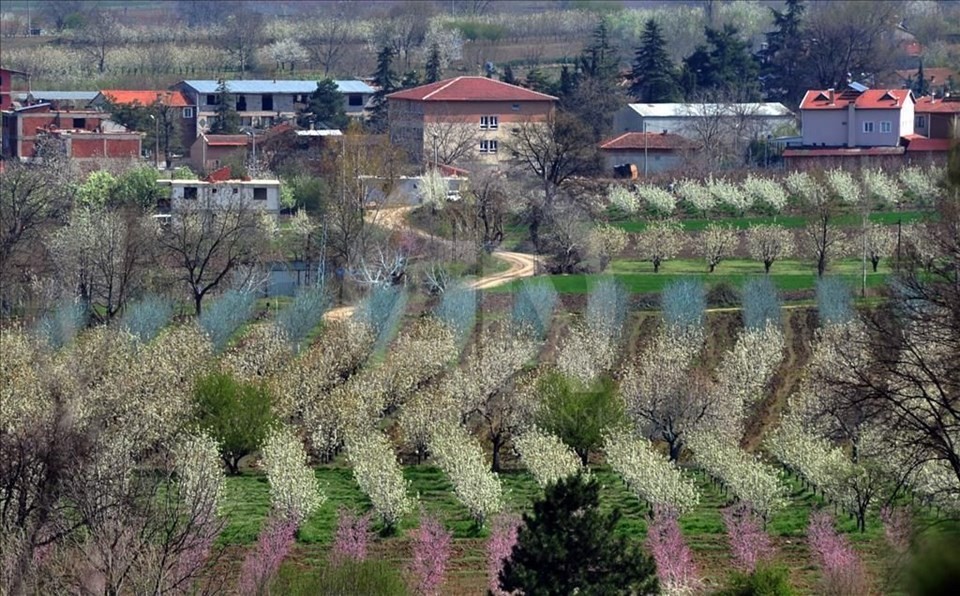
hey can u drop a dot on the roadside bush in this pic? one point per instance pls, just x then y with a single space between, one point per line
221 319
298 319
346 579
533 304
723 294
761 303
144 319
684 302
834 301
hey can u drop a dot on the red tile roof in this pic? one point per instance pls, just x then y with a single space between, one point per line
221 175
470 89
925 144
226 140
933 75
448 170
655 141
843 151
874 99
939 105
146 97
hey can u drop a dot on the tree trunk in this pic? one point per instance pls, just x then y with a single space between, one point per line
766 266
712 267
656 265
675 447
496 442
875 262
821 263
584 455
197 299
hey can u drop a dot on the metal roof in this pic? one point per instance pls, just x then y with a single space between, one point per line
686 110
278 86
58 95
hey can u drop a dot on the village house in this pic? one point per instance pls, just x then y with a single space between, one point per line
178 109
750 120
85 134
263 103
648 153
220 191
210 152
462 119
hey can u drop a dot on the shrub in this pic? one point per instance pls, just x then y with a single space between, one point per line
834 301
458 309
579 417
145 319
59 327
221 319
236 414
763 581
761 303
684 302
533 304
297 320
382 310
723 294
346 579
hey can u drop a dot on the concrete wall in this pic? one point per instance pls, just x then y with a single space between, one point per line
824 127
219 195
657 161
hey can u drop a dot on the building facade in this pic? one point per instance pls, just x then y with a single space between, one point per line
85 134
462 119
188 195
650 152
751 119
857 117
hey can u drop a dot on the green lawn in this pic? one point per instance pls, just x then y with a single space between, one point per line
787 221
638 276
248 500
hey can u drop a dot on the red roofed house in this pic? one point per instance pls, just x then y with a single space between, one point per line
651 152
178 123
856 117
210 152
462 119
936 117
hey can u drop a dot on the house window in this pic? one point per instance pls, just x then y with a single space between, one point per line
236 190
921 121
259 194
187 113
79 122
515 107
868 126
355 100
241 103
212 100
266 103
489 122
190 193
488 146
886 126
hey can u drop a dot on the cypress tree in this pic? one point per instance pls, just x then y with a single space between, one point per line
654 78
433 68
508 76
324 108
568 546
226 121
385 80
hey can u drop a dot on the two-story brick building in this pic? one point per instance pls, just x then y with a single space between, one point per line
85 134
261 103
474 113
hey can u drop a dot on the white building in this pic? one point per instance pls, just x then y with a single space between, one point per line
760 118
186 195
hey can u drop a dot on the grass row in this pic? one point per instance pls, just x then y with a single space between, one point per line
248 501
787 221
639 278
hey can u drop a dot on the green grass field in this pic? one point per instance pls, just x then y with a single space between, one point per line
639 278
787 221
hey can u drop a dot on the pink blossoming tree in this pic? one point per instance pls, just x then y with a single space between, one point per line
675 567
503 535
749 544
261 564
431 553
843 573
351 539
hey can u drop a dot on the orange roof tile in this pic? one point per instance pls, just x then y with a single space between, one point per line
470 89
146 97
650 140
871 99
926 144
226 140
939 105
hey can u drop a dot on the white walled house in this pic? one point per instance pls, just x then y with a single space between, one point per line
857 117
186 195
760 119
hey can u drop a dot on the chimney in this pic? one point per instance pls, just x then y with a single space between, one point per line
831 92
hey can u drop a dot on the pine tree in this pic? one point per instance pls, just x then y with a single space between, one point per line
226 121
568 82
783 59
654 75
567 545
410 79
921 86
508 76
725 65
537 81
596 93
433 68
385 80
324 108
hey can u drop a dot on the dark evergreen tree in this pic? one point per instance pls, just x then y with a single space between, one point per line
508 76
599 59
410 79
385 80
921 86
784 64
225 121
595 92
324 108
654 77
725 64
568 546
537 81
568 82
434 68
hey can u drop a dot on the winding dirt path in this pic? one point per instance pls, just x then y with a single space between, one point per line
395 218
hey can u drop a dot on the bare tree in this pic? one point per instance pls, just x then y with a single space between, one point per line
490 190
328 36
100 35
404 29
451 141
207 243
241 37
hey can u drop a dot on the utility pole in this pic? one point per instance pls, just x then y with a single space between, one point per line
646 144
156 140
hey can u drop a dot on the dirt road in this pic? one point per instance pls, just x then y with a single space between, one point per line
521 264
